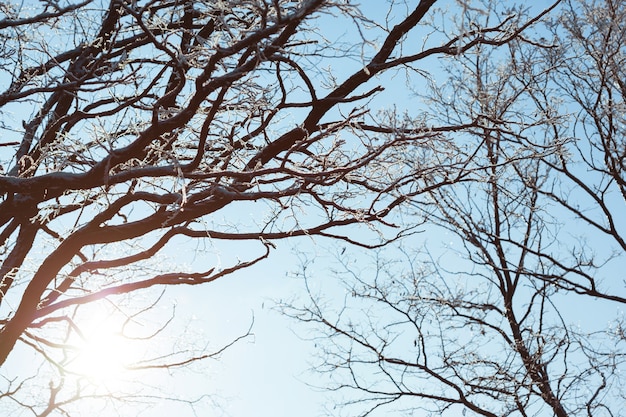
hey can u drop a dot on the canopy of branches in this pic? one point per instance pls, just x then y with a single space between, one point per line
132 128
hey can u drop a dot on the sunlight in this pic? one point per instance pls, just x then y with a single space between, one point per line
103 354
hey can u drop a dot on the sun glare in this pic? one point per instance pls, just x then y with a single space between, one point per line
103 354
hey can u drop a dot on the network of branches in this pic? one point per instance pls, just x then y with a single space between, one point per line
130 128
518 309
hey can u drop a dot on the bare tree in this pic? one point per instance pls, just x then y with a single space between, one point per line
129 127
518 315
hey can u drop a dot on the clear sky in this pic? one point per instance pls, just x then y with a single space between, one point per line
266 374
